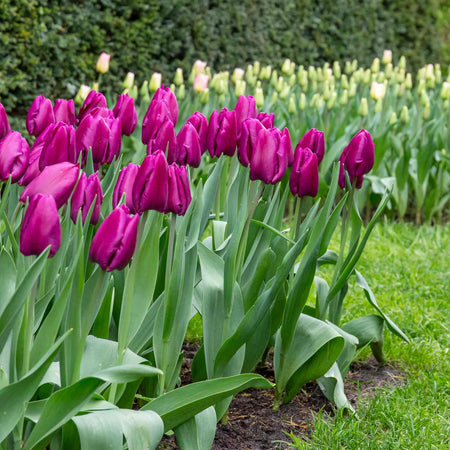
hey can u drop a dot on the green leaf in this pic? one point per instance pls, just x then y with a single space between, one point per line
273 230
7 278
198 432
332 386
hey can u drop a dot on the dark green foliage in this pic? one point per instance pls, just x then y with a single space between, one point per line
51 47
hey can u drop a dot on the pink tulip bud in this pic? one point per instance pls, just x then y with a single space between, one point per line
64 111
245 109
87 190
14 155
314 140
304 179
201 125
124 185
266 119
248 140
222 133
103 62
40 115
189 149
201 82
179 192
93 100
4 124
164 139
126 112
59 145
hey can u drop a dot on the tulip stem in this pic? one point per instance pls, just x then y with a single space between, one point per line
173 221
297 221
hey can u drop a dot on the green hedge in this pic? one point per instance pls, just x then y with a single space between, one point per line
50 47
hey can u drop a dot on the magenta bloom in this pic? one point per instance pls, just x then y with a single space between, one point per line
248 140
40 226
87 190
289 151
113 245
189 149
5 128
59 145
14 155
93 100
245 109
357 159
150 188
164 139
304 179
124 185
126 112
201 125
40 115
314 140
270 156
266 119
64 111
179 197
222 133
57 180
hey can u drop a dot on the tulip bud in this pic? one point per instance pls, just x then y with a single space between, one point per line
245 109
103 62
150 187
348 67
402 62
344 98
256 68
337 69
274 78
93 100
363 107
354 65
204 97
128 82
189 148
200 123
144 92
57 180
379 105
426 112
280 84
377 90
445 91
64 111
266 119
265 73
59 145
201 82
14 156
352 89
222 133
40 226
387 57
367 76
179 192
304 179
113 245
164 139
155 82
315 141
437 73
199 66
408 81
388 71
274 97
248 140
4 124
286 67
82 94
238 74
239 88
392 118
178 79
291 107
357 159
181 94
87 190
302 102
126 112
40 115
404 115
259 97
124 185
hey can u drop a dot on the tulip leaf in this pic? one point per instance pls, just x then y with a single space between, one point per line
7 278
332 385
273 230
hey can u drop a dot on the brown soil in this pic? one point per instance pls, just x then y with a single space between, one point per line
252 424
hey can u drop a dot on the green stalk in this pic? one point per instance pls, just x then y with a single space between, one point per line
173 221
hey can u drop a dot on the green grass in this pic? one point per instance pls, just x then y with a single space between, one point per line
408 268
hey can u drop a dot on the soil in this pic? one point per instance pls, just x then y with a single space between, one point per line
252 424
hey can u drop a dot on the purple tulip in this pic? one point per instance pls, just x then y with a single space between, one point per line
266 119
57 180
189 149
126 112
314 140
124 185
101 112
87 190
93 100
5 128
222 133
150 188
102 135
304 179
64 111
289 151
357 159
164 94
164 139
270 156
201 125
245 109
59 145
113 245
40 115
40 226
14 155
248 140
179 197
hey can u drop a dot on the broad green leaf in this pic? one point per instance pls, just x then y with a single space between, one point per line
7 278
198 432
332 386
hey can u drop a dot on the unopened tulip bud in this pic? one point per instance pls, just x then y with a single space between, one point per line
344 81
179 193
274 78
393 118
367 76
315 141
93 100
259 97
155 82
352 89
424 99
280 84
40 115
402 62
126 112
291 107
14 156
292 80
128 82
274 97
285 92
332 100
5 128
387 57
178 80
239 89
302 102
256 68
204 97
337 69
304 178
222 133
189 146
354 65
201 82
377 90
238 74
344 98
379 105
59 145
404 115
445 91
87 191
103 62
437 73
319 74
426 112
144 92
286 67
124 185
348 67
422 87
265 73
388 71
181 93
363 107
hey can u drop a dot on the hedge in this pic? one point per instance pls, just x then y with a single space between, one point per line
51 47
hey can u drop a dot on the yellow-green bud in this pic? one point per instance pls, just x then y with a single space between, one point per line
284 93
377 90
155 82
424 99
401 76
348 67
354 65
249 72
380 77
133 92
274 97
367 76
259 97
128 81
337 69
319 74
402 62
393 118
344 81
431 82
286 67
82 94
239 88
379 105
344 97
445 91
426 112
319 102
351 89
292 108
388 70
172 88
144 91
178 79
222 99
401 90
181 94
304 80
312 74
274 78
95 86
387 57
302 102
313 100
332 100
408 81
265 72
404 115
204 96
292 80
437 73
103 62
326 91
238 74
363 107
375 65
327 74
280 84
256 68
314 85
421 86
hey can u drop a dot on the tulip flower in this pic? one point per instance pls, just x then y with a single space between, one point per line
150 187
5 128
270 156
103 62
87 190
101 112
164 139
59 145
314 140
40 226
155 81
40 115
222 133
64 111
248 140
124 185
179 192
113 245
201 82
93 100
189 149
304 179
266 119
357 159
289 151
102 135
14 155
201 126
245 109
126 112
57 180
